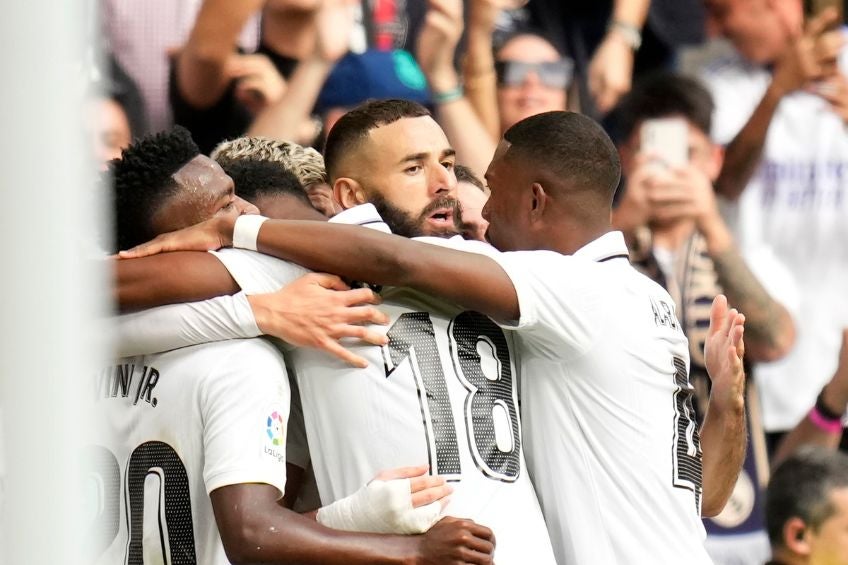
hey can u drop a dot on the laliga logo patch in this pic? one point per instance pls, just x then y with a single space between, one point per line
275 428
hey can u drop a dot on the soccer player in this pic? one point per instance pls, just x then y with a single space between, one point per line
304 162
611 442
443 390
213 419
472 195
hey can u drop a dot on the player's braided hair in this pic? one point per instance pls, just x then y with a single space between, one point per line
143 178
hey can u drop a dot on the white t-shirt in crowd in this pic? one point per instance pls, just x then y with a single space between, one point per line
796 208
175 427
609 427
443 392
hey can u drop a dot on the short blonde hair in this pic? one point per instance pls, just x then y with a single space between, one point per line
304 162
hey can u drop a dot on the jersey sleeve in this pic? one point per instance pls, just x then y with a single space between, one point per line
245 407
557 296
179 325
258 273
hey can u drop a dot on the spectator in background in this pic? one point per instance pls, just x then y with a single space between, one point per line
374 74
141 34
218 93
823 424
532 78
782 107
807 509
204 90
602 37
287 35
678 238
523 76
612 41
116 113
461 119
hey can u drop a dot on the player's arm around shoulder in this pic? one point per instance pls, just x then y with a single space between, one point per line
169 278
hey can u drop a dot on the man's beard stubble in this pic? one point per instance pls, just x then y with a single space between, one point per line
402 223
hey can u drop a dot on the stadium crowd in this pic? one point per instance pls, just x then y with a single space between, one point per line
474 281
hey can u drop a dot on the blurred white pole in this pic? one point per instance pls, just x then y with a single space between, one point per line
48 287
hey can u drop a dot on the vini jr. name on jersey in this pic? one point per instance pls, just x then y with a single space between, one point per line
128 380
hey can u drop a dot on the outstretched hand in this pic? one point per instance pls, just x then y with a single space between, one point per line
212 234
317 310
723 355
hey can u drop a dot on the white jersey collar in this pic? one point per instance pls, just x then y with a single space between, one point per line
609 246
363 215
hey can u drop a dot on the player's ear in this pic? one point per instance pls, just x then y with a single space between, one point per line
538 201
796 536
323 199
348 192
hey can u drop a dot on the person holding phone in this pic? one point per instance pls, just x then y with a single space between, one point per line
782 110
678 238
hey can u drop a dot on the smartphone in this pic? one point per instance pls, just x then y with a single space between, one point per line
813 8
667 139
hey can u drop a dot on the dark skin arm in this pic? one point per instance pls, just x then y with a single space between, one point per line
294 482
255 529
170 278
473 280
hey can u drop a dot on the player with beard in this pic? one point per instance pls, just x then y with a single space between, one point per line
615 453
196 437
443 390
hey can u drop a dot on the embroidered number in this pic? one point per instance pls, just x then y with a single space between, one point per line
686 451
172 512
490 397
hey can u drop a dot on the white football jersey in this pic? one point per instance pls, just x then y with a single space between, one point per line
796 206
175 427
609 428
443 392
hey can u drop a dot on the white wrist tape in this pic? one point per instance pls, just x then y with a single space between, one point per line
382 507
246 230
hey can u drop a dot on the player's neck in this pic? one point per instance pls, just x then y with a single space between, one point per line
567 238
